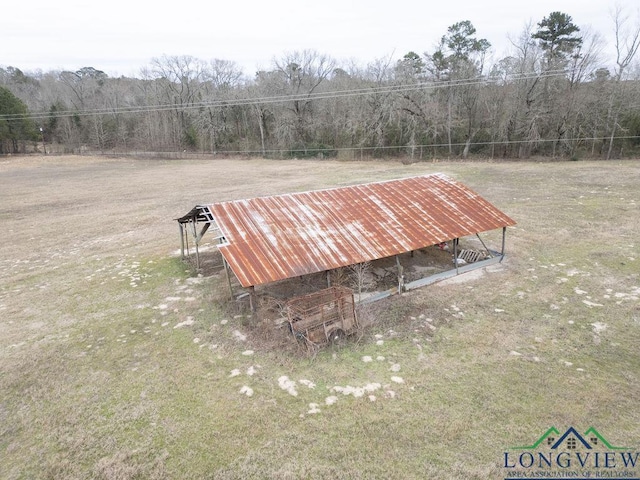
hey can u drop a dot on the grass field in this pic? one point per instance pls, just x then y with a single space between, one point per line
118 362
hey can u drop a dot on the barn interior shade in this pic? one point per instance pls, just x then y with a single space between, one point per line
283 236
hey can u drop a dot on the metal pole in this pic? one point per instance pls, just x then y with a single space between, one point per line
504 235
181 240
455 254
400 275
226 271
195 239
253 301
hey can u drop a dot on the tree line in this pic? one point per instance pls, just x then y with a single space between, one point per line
551 97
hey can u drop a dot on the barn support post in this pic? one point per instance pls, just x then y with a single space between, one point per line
253 301
400 275
195 239
504 237
181 240
226 272
186 241
328 278
455 255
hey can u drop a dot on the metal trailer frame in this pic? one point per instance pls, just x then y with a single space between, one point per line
323 316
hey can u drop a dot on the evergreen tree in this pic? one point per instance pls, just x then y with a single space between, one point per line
557 36
15 126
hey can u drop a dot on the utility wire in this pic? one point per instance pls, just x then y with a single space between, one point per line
375 90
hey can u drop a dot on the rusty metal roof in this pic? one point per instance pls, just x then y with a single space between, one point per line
273 238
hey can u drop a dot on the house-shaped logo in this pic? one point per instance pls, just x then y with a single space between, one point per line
571 440
555 453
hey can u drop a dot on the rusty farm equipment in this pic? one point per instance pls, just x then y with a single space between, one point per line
323 316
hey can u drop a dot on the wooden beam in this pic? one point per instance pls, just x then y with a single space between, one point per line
202 232
485 247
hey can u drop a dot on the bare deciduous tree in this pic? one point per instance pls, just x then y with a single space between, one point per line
626 43
300 75
360 273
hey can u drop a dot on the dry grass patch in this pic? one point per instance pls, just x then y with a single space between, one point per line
118 362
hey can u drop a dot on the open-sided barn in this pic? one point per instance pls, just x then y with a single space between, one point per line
267 239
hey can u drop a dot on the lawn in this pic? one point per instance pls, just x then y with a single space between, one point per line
117 361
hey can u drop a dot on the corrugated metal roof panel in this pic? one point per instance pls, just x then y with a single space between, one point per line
284 236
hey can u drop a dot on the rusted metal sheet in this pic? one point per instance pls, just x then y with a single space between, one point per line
283 236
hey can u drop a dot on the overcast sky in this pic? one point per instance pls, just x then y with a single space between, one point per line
120 37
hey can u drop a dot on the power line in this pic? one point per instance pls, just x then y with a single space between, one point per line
372 90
